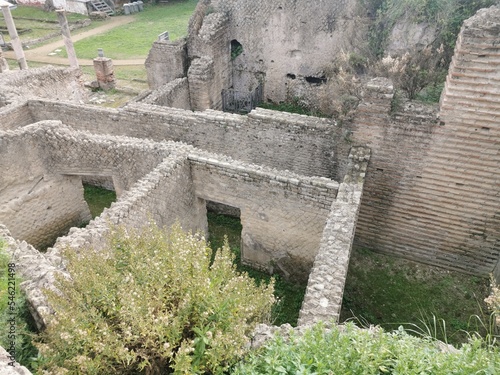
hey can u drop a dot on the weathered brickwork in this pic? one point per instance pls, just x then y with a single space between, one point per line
325 287
282 214
14 115
431 190
174 94
48 82
166 62
301 144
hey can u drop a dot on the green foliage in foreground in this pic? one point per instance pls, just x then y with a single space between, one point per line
350 350
149 303
13 306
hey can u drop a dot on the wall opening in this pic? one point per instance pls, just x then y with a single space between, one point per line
316 80
236 49
288 293
98 198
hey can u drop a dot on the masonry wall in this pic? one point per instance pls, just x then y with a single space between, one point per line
281 37
431 189
47 82
325 286
209 53
35 204
166 61
301 144
174 94
14 116
282 214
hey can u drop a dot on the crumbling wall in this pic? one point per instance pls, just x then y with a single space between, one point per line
36 205
14 116
282 214
166 61
302 144
325 286
431 189
47 82
174 94
283 38
209 72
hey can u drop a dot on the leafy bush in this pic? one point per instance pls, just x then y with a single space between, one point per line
350 350
16 340
493 301
151 303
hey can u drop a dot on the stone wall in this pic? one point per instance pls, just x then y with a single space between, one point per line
166 62
431 188
174 94
38 206
301 144
47 82
282 214
325 286
14 115
283 38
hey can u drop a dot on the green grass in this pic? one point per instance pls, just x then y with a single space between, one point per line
98 199
391 292
37 21
25 326
290 295
134 40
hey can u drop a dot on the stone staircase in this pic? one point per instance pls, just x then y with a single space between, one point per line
102 6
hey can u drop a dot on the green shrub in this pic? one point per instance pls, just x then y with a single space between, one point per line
350 350
14 314
150 303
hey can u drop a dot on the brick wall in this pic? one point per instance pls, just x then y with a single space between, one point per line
301 144
283 214
15 115
173 94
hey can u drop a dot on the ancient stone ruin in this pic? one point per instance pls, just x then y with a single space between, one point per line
421 183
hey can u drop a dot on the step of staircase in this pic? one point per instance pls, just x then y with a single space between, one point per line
101 6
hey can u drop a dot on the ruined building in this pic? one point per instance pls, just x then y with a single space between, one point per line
419 183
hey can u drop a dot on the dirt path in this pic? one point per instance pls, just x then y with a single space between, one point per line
40 54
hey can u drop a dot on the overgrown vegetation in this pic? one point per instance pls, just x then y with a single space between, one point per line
17 324
149 303
289 295
386 291
98 199
350 350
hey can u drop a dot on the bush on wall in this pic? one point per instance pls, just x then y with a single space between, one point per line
150 303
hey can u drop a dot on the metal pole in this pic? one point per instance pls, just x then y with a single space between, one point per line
14 38
70 49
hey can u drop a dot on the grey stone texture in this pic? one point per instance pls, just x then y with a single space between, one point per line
9 367
47 82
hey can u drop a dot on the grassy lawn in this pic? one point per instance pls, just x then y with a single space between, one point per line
133 41
391 292
32 23
290 295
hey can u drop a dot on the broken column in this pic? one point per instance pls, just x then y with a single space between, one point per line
104 72
70 49
14 38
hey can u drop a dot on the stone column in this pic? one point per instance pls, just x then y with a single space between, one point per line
104 72
63 22
16 43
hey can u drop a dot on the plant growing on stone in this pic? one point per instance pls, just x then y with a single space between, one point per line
152 302
493 302
414 71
